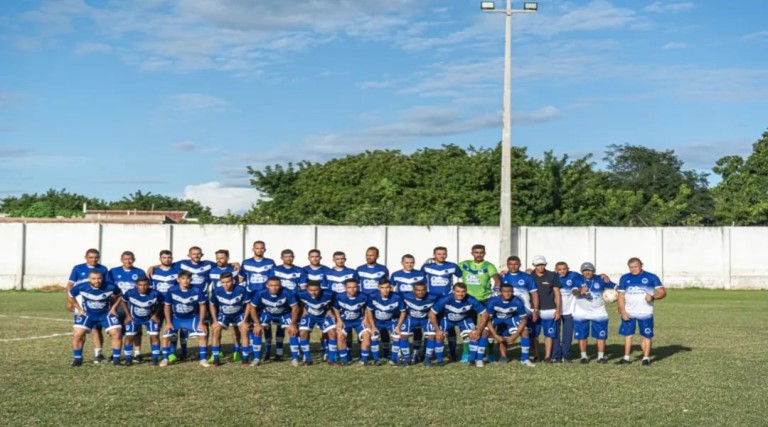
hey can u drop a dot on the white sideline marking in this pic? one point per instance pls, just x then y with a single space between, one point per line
35 338
36 318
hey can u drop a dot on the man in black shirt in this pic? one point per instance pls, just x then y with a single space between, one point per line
547 314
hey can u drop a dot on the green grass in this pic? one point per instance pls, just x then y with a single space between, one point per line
711 368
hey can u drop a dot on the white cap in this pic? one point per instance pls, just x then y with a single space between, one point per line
539 260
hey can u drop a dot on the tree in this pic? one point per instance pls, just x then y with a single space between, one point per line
158 202
50 204
741 197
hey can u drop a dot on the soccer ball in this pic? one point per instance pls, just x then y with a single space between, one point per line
610 295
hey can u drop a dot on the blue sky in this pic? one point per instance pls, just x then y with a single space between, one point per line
105 97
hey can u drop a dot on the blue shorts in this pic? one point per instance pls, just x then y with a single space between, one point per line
410 324
387 325
599 329
548 326
134 327
627 327
230 320
307 323
465 326
188 324
268 319
506 327
89 322
356 326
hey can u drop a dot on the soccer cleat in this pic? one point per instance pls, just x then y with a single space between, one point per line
139 359
267 356
204 363
427 363
528 364
236 356
76 363
129 362
566 361
216 363
278 358
307 363
623 362
440 364
392 363
99 359
295 362
602 361
255 362
403 363
503 359
479 363
332 363
171 358
380 362
164 362
155 363
646 362
245 364
584 360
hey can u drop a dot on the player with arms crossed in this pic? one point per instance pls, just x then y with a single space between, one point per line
98 300
317 303
141 306
349 309
638 289
455 311
508 318
590 309
185 308
275 305
227 305
417 306
385 310
80 274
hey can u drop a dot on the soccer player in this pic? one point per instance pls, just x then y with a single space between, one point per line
317 303
417 306
227 305
454 311
291 276
403 281
142 306
570 285
195 264
162 279
255 271
638 289
98 299
125 277
349 309
523 286
508 316
80 274
185 308
480 278
223 266
590 309
439 279
275 305
371 272
547 314
338 275
384 311
316 272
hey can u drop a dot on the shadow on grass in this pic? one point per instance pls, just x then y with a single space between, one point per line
658 354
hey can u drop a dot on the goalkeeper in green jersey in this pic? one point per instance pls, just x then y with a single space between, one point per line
481 278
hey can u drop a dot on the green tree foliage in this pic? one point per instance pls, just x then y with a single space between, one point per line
50 204
741 197
158 202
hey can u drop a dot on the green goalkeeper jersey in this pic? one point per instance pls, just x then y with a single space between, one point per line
477 277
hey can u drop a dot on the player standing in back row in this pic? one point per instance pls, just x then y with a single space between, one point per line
480 277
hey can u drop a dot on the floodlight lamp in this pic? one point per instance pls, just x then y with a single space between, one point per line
487 5
531 6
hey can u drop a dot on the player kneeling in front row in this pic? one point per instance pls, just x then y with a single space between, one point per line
141 306
185 308
274 305
99 299
317 303
590 309
455 311
417 305
508 322
349 308
228 303
384 312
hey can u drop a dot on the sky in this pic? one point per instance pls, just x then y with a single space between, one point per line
179 97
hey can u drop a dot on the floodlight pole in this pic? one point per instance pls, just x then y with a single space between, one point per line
505 219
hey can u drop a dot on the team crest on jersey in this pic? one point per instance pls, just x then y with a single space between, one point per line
135 276
645 281
647 330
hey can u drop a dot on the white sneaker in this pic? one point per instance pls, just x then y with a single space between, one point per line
294 362
479 363
164 362
528 364
205 364
255 362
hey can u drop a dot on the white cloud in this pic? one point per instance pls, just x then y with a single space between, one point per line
184 146
758 35
86 48
674 45
222 199
193 102
668 7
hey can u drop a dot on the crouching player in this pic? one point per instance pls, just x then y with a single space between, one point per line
317 303
453 311
99 299
349 308
417 306
141 306
590 308
275 305
185 309
508 318
384 312
227 305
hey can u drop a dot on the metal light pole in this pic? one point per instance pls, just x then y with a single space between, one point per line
505 219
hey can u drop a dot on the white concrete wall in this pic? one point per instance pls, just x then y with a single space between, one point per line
39 254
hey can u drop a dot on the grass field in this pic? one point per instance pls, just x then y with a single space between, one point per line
710 368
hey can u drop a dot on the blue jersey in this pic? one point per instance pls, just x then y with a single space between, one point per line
419 308
317 307
125 279
568 283
229 303
292 278
591 306
317 275
351 309
141 306
439 277
336 278
95 301
274 304
163 280
370 277
80 273
256 272
635 288
200 271
498 309
403 281
457 311
215 275
522 285
384 310
185 303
